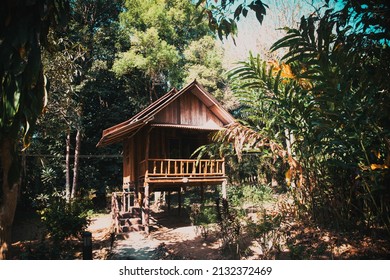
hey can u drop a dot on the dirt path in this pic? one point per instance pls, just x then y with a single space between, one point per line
134 246
171 237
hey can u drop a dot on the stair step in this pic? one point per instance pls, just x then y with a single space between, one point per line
133 213
134 221
136 211
136 227
125 229
130 221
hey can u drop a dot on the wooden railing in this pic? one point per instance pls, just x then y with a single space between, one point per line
182 167
115 213
123 201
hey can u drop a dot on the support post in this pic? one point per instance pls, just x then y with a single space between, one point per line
179 199
169 200
139 198
202 194
224 192
146 210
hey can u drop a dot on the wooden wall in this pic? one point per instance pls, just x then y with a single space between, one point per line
135 151
188 110
128 162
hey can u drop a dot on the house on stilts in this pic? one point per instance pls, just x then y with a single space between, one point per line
157 146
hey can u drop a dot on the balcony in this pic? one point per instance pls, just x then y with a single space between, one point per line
182 170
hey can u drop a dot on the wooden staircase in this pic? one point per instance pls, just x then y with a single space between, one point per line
130 221
126 217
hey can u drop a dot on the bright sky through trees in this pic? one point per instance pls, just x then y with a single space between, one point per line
256 38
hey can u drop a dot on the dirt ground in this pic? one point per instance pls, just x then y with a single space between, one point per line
173 237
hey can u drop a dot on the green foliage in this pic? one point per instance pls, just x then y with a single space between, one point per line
83 94
267 231
62 219
160 31
23 92
222 15
174 20
327 106
230 229
351 105
203 217
23 88
249 195
149 53
203 62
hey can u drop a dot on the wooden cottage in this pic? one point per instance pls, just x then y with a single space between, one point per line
158 143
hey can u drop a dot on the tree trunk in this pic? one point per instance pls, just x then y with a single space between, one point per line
289 142
76 163
67 166
8 195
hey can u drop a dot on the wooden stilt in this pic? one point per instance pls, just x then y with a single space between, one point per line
224 192
179 200
146 210
202 194
169 200
139 199
129 204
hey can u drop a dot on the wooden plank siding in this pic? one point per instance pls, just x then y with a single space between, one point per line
188 109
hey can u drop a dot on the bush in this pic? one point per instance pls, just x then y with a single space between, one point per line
203 217
268 232
62 219
249 194
230 229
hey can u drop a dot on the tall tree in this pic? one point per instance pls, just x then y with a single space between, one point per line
203 61
23 29
83 95
159 32
62 65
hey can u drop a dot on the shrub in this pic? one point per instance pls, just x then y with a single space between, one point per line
267 231
63 219
249 194
203 217
230 229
